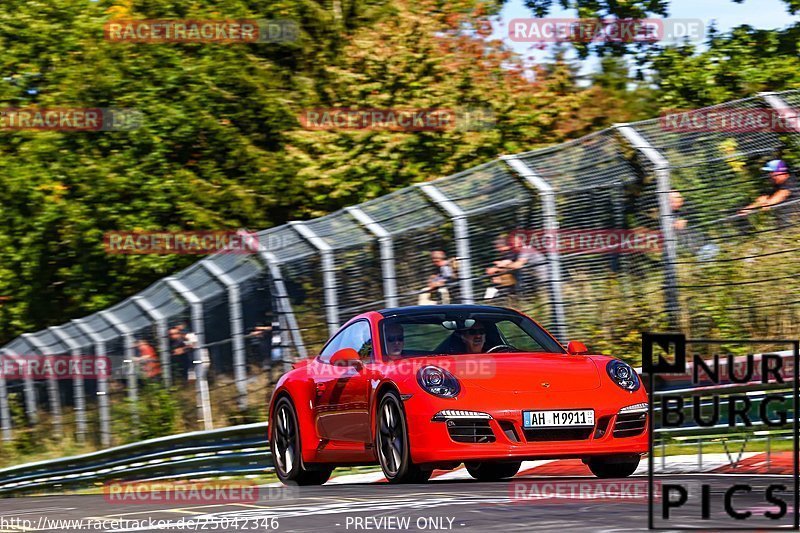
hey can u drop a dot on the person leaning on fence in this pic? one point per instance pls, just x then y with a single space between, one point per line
147 360
437 290
504 272
783 188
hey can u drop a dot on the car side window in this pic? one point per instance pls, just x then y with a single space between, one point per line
332 347
357 336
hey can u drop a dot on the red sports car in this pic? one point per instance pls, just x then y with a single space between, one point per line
419 388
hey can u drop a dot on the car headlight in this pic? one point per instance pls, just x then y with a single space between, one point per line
623 375
438 381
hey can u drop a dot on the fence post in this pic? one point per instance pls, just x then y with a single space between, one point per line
284 305
198 325
163 336
328 273
387 253
787 113
551 226
29 392
461 230
77 384
102 383
237 329
662 171
5 411
53 392
31 406
130 359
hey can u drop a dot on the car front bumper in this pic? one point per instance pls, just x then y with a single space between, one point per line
503 437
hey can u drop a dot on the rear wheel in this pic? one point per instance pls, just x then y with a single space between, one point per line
286 452
492 471
391 433
614 466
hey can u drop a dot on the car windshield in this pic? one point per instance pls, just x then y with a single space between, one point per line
411 335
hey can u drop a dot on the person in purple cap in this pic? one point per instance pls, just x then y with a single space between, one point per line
784 185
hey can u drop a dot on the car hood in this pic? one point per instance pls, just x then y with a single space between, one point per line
520 372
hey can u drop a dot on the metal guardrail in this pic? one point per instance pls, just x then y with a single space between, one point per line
236 450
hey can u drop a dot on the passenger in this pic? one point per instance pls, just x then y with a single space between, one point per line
395 339
474 338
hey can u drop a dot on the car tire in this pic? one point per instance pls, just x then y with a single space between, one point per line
391 443
284 441
493 471
614 466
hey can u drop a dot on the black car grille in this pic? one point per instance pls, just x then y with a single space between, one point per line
630 424
550 435
471 431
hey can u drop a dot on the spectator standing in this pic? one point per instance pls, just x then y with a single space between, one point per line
262 339
277 343
147 360
179 353
191 343
685 223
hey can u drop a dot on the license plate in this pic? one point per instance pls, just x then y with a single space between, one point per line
560 419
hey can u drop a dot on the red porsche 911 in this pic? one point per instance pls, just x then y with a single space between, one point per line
430 387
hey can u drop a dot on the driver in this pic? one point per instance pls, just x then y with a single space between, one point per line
395 339
474 338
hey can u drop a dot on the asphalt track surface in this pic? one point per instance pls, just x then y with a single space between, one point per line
439 505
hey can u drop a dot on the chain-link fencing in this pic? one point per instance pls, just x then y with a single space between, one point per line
203 348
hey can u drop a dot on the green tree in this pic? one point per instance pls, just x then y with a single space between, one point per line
220 145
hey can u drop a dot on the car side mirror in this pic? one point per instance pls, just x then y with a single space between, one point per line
347 357
577 348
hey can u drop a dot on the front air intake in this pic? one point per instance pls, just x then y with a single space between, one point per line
473 431
630 424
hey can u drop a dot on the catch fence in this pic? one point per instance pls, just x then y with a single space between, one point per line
241 319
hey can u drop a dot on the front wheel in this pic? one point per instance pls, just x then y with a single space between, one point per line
286 452
391 433
614 466
492 471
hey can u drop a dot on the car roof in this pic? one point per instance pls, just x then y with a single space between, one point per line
458 308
